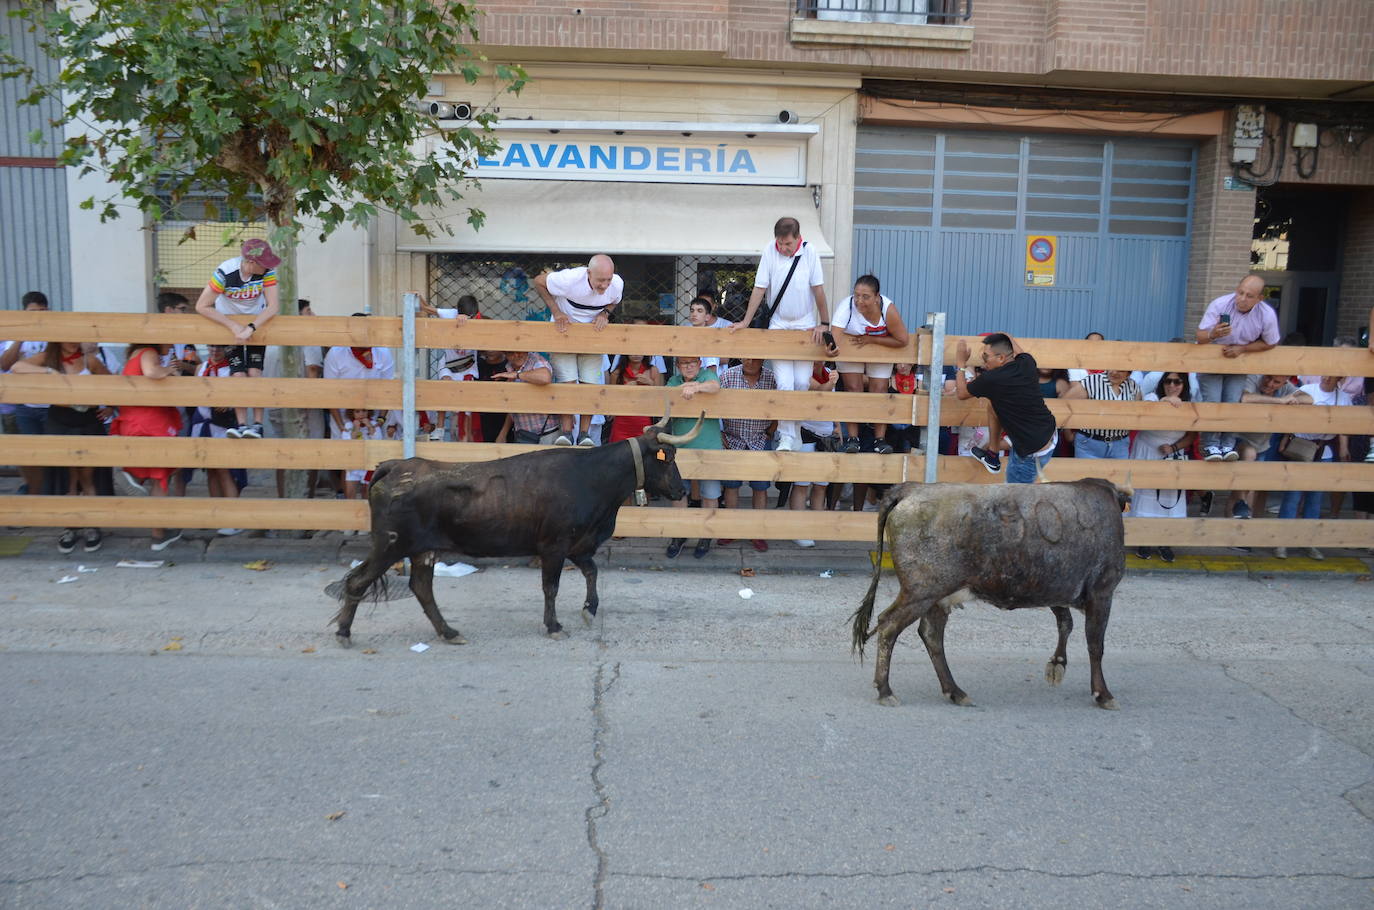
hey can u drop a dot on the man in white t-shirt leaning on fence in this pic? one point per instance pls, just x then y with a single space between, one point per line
586 294
801 305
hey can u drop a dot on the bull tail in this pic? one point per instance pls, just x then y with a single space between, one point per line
385 587
864 615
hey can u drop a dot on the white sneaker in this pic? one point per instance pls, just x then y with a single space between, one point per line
1369 459
1229 454
234 432
1212 453
1314 553
157 546
786 444
870 507
563 440
805 544
229 532
128 484
586 442
1280 552
437 435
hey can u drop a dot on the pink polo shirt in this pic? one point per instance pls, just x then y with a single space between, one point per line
1260 323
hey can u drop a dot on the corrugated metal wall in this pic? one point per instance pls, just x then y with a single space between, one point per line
35 253
942 217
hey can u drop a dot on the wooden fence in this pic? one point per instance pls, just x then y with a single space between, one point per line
728 465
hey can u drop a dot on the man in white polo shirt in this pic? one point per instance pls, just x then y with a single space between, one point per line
801 306
586 294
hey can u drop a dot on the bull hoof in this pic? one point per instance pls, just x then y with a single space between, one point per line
588 616
1054 673
961 699
889 701
343 639
557 635
1107 703
455 639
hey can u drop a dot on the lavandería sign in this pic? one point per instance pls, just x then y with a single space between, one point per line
657 159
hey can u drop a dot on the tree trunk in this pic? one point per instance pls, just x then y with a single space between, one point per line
284 241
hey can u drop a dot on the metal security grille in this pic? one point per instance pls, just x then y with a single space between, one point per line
942 218
658 289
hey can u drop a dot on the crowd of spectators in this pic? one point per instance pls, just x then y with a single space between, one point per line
788 295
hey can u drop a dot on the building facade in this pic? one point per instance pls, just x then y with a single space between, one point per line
1047 167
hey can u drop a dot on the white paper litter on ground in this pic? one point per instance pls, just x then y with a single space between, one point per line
66 578
453 569
419 647
827 574
746 593
355 563
84 569
140 563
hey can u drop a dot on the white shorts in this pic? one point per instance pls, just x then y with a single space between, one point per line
809 447
871 370
577 368
356 476
710 489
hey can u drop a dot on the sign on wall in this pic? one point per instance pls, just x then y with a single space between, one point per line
1041 250
565 155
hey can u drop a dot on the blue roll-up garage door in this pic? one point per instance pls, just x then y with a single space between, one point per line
942 218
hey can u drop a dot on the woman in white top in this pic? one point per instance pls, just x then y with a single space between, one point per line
1154 445
867 317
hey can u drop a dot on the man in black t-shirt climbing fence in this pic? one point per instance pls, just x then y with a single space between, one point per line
1011 384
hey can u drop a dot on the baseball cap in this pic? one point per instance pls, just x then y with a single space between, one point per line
260 252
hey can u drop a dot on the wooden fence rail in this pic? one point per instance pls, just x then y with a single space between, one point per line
772 524
493 397
522 398
335 454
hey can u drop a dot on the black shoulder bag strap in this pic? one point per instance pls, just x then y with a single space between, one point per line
762 319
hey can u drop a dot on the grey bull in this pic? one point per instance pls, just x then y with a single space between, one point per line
1056 545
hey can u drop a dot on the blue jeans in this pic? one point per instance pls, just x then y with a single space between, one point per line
32 421
1309 501
1022 468
1084 446
1221 387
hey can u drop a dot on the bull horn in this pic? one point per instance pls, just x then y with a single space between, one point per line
668 439
668 407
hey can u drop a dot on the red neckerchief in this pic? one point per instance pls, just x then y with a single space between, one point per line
631 373
72 358
905 383
821 375
364 356
212 367
800 241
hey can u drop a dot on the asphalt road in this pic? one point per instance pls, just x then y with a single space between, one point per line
692 748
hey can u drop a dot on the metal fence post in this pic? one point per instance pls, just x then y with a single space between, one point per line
935 385
409 303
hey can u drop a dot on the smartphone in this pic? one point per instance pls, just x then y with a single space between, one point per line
829 339
1225 318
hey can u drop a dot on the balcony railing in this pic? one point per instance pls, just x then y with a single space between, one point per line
901 12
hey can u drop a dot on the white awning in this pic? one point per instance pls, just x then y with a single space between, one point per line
665 219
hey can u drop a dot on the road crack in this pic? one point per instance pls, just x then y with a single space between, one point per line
602 806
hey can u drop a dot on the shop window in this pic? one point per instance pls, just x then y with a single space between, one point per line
658 289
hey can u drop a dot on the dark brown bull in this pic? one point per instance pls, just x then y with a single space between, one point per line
557 503
1050 545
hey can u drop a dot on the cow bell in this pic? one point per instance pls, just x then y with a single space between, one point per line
640 498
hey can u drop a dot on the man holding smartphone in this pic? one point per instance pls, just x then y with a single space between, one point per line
1242 322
